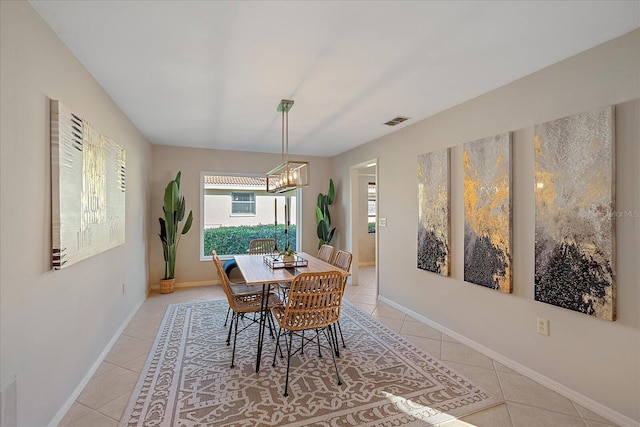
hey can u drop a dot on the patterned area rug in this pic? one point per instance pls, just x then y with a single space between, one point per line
387 380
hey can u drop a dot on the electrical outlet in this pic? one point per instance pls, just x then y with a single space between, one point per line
543 326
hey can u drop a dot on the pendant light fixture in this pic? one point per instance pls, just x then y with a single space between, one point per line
289 174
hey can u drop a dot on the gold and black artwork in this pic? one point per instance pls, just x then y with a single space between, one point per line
574 192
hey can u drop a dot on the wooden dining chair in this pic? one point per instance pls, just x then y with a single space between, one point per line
325 253
314 303
242 303
262 246
342 260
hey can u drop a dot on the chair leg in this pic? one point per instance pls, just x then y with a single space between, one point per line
235 336
286 384
227 318
233 317
341 336
318 339
333 353
275 353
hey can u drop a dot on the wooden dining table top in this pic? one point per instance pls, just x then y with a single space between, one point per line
256 271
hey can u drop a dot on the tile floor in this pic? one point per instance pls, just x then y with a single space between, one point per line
527 403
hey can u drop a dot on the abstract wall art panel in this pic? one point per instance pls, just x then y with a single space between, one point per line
87 189
487 212
575 229
433 212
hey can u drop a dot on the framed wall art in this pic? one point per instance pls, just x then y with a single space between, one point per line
433 212
575 228
88 185
487 212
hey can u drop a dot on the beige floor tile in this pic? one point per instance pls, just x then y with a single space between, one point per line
367 308
369 291
116 407
431 346
456 352
485 378
446 337
127 349
419 329
497 416
90 418
108 387
520 389
500 367
588 414
76 412
384 310
529 416
395 324
143 327
591 423
136 364
366 299
104 368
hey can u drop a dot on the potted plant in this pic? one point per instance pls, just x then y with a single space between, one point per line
323 218
288 255
174 210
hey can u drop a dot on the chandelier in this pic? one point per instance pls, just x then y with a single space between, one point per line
289 174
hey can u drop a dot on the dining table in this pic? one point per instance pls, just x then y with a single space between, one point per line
270 269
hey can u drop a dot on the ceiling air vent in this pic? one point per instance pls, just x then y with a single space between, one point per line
396 121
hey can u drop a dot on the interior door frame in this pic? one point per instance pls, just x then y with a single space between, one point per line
355 217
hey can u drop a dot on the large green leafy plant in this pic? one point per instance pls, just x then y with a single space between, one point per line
174 210
323 217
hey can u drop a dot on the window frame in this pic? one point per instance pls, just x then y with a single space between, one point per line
298 210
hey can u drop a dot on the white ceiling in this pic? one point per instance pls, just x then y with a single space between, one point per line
211 73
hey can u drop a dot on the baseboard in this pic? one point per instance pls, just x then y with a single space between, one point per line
156 286
561 389
74 396
366 264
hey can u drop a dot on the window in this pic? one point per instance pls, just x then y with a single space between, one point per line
243 203
237 208
371 206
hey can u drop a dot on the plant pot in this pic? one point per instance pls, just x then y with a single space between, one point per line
289 259
167 286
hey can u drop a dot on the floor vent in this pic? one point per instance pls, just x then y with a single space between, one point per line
396 121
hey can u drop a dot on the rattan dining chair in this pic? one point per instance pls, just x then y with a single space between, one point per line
237 288
314 303
325 253
262 246
342 260
242 304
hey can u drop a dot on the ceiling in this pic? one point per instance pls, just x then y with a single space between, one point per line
211 74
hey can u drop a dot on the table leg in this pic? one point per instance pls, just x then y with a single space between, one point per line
264 305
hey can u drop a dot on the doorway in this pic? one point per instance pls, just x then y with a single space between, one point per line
363 223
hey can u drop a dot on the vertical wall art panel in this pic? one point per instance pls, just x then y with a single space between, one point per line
487 212
433 212
87 189
574 247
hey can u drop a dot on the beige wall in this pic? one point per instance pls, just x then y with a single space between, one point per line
167 161
591 358
56 324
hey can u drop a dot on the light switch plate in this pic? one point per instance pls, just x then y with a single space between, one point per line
383 222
